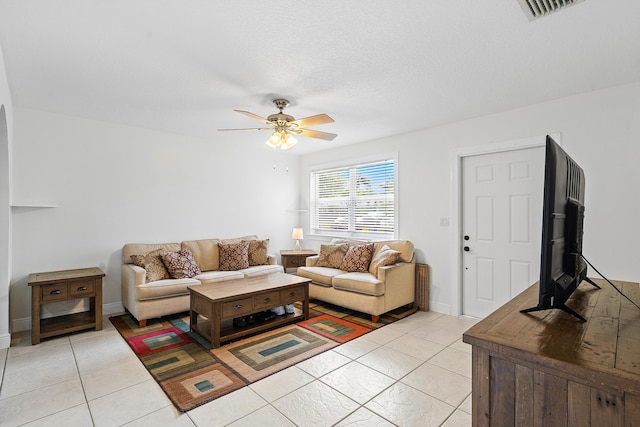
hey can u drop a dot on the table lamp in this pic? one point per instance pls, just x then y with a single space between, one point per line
297 235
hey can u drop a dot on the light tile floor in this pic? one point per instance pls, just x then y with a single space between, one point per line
414 372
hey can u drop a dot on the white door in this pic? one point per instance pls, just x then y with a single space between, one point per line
501 227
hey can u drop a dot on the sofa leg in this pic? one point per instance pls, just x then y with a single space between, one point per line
375 318
142 323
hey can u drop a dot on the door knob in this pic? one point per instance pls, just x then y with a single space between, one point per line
466 248
466 237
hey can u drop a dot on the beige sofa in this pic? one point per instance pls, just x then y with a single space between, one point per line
147 300
392 287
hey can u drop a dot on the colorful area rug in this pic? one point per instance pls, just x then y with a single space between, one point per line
192 374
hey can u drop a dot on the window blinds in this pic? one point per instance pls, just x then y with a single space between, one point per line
354 199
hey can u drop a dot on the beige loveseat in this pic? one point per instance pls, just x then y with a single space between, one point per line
375 291
149 299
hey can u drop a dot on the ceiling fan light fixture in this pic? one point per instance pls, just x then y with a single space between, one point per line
289 141
275 140
284 125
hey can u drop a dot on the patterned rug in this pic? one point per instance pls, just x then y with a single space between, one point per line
192 374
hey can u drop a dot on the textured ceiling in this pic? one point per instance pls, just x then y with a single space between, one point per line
379 68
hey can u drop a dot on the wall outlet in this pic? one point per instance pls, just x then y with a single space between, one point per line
444 222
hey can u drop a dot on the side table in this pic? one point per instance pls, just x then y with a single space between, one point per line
65 285
295 259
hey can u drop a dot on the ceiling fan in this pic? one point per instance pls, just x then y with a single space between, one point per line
284 125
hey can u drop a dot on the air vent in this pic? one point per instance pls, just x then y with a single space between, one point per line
535 9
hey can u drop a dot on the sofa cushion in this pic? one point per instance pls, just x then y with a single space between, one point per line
205 252
350 242
153 265
239 239
363 283
384 256
164 288
234 256
259 270
180 264
358 258
217 276
258 251
319 275
331 255
405 247
144 248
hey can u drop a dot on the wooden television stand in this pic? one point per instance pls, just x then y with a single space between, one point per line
548 368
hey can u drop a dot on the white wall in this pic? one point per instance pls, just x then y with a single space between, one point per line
6 126
116 184
600 130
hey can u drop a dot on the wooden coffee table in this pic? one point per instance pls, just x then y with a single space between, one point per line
215 305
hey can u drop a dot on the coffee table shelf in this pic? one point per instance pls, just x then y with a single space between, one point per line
228 332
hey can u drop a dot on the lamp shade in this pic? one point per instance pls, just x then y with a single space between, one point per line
288 142
297 233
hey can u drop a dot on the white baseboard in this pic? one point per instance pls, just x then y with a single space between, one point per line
19 325
24 324
439 307
112 308
5 341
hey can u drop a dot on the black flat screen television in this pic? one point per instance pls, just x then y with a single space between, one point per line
562 267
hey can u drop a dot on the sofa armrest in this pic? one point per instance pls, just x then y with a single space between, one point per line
399 282
311 261
132 276
398 271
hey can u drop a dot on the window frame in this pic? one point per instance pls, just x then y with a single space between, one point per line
354 162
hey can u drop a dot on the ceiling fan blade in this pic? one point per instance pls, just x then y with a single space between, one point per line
315 134
254 116
318 119
249 129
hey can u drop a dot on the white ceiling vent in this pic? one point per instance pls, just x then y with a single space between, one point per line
535 9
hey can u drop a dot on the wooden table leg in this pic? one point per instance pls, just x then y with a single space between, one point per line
193 318
97 304
216 319
305 303
35 315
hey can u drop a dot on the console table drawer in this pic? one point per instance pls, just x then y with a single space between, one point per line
237 308
56 292
82 289
265 301
289 296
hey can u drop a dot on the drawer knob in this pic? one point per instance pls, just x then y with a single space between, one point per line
238 306
267 300
292 294
56 292
82 288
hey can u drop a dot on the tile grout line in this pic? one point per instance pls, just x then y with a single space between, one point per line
84 391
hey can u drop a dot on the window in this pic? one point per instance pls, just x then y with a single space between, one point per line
355 200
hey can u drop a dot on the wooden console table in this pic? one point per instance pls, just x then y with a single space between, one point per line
295 259
65 285
549 369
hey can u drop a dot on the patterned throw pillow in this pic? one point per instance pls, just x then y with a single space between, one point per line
331 255
234 256
153 265
181 264
385 256
258 250
358 258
